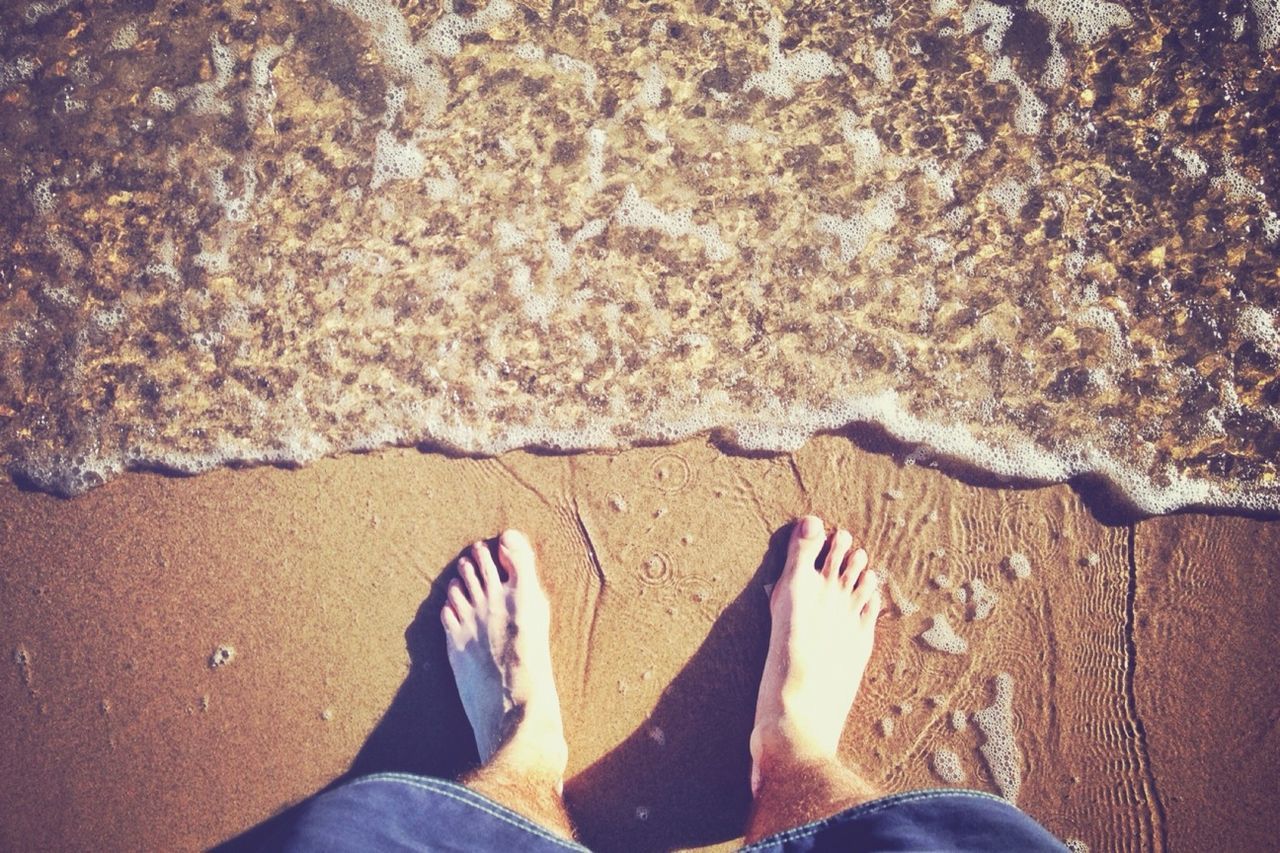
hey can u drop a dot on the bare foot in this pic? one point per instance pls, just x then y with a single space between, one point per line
824 621
498 639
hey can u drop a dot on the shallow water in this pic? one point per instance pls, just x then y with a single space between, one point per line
1039 237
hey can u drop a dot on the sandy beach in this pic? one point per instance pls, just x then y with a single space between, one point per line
1037 238
1142 657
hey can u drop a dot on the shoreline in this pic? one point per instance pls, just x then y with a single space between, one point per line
1117 493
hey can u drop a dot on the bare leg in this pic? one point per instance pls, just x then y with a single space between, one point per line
497 634
824 620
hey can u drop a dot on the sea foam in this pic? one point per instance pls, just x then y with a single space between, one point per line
455 227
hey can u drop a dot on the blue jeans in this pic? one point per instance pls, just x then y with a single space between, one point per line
401 812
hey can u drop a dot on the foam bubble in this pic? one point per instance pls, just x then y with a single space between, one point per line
1010 195
785 71
1271 226
962 426
1193 165
886 726
509 236
959 721
1266 15
1000 750
163 100
407 59
947 765
394 160
595 157
236 209
982 597
1236 186
1019 565
560 253
1089 20
882 66
17 70
205 98
1030 112
635 212
125 37
538 307
260 98
941 181
529 52
1256 325
904 605
1055 69
995 20
865 148
566 64
214 255
37 11
445 36
69 255
857 231
941 637
42 197
651 86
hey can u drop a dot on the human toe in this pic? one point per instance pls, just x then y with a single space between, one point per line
459 602
871 610
807 538
470 580
449 619
868 584
853 569
483 558
516 554
841 541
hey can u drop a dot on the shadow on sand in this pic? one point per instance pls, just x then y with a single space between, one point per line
680 780
423 731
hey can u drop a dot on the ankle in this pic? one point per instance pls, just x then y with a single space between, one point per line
537 742
784 740
779 745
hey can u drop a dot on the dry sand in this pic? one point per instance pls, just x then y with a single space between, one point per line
1142 658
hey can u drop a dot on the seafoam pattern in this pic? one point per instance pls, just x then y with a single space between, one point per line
1039 238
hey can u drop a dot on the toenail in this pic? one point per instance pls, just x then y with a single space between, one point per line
810 526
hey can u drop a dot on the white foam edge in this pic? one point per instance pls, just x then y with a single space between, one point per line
787 428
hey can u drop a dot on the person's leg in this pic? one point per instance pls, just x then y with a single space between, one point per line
498 638
823 624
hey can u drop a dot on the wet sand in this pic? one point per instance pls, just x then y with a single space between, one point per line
1143 657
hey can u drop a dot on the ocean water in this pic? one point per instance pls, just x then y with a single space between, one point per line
1041 237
